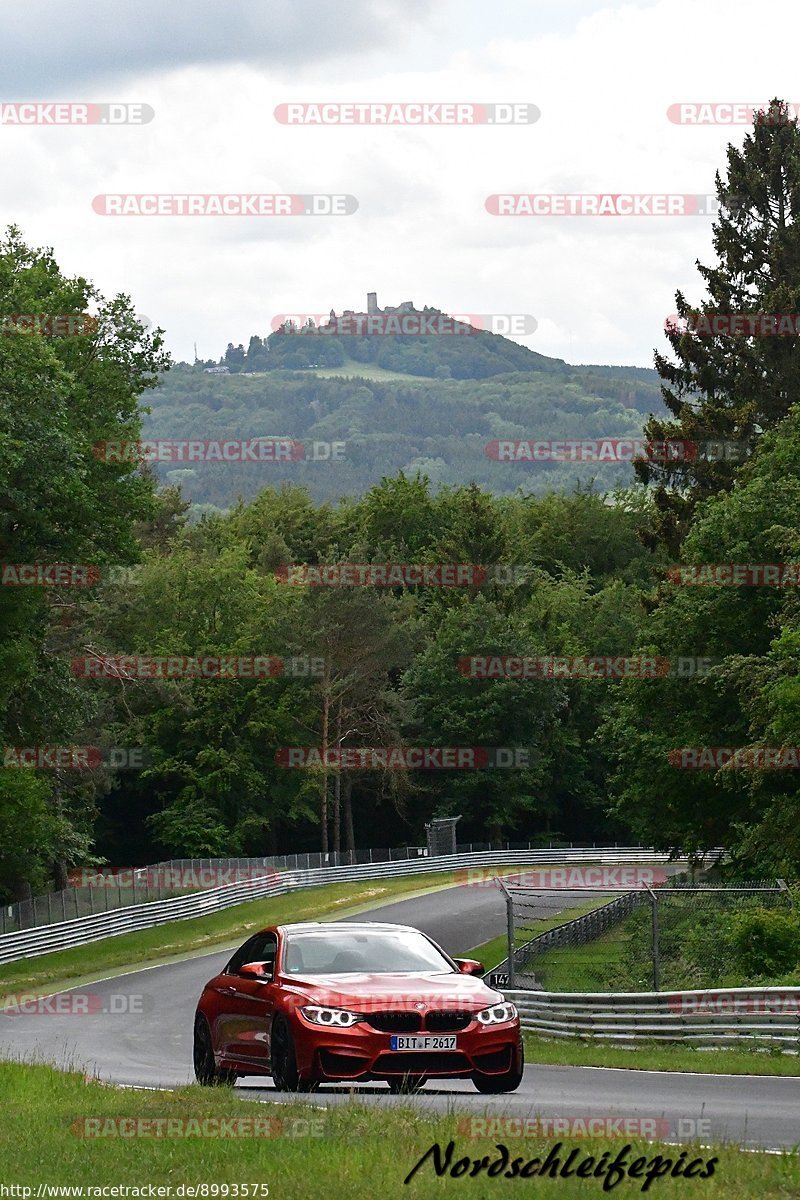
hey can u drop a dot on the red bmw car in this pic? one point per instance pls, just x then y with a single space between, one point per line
327 1002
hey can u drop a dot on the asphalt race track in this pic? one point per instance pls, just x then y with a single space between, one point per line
141 1034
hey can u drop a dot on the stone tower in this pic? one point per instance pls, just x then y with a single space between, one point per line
372 302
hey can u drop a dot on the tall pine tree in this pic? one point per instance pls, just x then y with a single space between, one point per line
724 387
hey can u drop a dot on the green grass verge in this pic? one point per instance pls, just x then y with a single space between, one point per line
348 1152
496 949
358 370
597 966
187 938
658 1056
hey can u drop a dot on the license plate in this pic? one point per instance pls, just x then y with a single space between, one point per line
413 1041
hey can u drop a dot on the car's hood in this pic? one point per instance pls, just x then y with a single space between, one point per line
373 993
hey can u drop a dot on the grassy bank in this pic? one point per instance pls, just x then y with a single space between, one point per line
496 949
348 1152
656 1056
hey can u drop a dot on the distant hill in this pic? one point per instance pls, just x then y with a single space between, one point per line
428 403
394 339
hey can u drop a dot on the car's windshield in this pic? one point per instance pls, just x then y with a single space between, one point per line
359 950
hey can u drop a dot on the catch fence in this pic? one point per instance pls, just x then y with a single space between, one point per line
674 935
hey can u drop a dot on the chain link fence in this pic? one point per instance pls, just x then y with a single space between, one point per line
670 937
101 889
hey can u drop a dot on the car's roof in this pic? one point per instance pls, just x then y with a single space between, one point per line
345 927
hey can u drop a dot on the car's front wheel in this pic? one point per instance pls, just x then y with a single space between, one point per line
283 1059
205 1068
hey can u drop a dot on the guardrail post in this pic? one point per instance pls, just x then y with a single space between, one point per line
656 949
509 930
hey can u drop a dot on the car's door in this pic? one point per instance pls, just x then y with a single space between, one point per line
247 1003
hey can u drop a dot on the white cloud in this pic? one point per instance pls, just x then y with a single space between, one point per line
48 44
600 288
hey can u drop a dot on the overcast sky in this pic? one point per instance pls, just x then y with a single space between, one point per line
603 76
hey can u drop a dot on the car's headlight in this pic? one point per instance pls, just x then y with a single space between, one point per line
497 1014
338 1018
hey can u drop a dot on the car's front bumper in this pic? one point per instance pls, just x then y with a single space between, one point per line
362 1053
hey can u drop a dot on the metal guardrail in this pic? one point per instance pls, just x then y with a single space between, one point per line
106 888
30 943
306 860
767 1016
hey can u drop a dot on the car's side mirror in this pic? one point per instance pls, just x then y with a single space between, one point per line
262 971
469 966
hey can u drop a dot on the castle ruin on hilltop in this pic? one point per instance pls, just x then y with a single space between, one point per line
372 308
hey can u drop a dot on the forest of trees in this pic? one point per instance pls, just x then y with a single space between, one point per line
574 574
440 428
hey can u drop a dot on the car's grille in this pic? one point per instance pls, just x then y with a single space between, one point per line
447 1022
420 1062
395 1022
